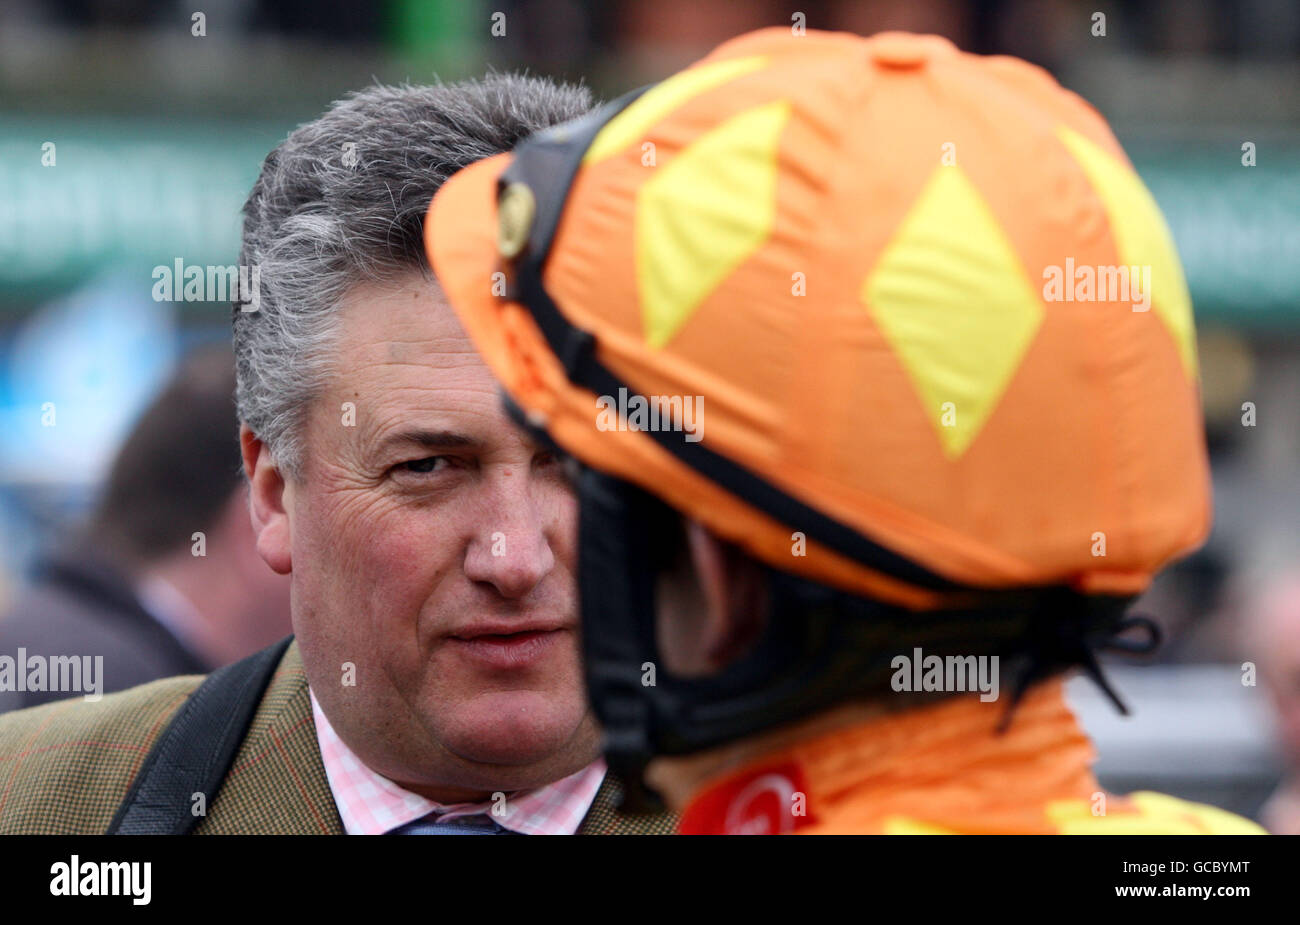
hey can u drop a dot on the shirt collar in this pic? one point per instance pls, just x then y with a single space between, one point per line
371 804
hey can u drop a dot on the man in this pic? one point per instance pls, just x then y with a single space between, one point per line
164 579
433 684
845 447
1272 639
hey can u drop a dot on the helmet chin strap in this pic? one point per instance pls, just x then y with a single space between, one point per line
616 594
804 660
819 647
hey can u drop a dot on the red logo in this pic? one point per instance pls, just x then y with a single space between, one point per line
766 801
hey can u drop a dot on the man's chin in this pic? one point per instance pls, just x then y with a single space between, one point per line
518 729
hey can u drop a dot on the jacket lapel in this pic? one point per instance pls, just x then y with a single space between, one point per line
604 818
277 784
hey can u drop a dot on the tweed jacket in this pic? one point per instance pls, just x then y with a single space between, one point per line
65 766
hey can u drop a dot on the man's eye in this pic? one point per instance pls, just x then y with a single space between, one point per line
428 464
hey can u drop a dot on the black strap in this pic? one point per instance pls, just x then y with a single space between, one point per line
197 748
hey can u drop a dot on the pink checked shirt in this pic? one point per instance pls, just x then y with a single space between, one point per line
371 804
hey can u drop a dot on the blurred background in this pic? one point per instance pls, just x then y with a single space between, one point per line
131 131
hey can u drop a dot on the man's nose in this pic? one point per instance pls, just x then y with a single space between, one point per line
510 549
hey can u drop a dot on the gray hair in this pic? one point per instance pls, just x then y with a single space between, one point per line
342 200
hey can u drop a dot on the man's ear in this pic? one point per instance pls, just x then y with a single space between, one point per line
267 502
735 595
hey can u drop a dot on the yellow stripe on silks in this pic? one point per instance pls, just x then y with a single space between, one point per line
1141 237
1156 814
632 124
703 214
955 303
903 825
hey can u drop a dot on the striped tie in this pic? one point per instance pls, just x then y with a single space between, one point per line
479 824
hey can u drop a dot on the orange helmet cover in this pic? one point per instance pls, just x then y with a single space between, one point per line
919 290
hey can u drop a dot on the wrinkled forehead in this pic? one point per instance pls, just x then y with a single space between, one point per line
403 319
402 334
402 362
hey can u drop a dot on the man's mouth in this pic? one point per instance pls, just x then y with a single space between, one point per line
508 650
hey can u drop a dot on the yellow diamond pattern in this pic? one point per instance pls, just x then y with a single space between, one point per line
703 214
955 303
905 825
632 125
1154 814
1141 237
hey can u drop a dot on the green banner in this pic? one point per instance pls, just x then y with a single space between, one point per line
82 196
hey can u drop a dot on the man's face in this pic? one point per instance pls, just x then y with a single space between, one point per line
433 548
